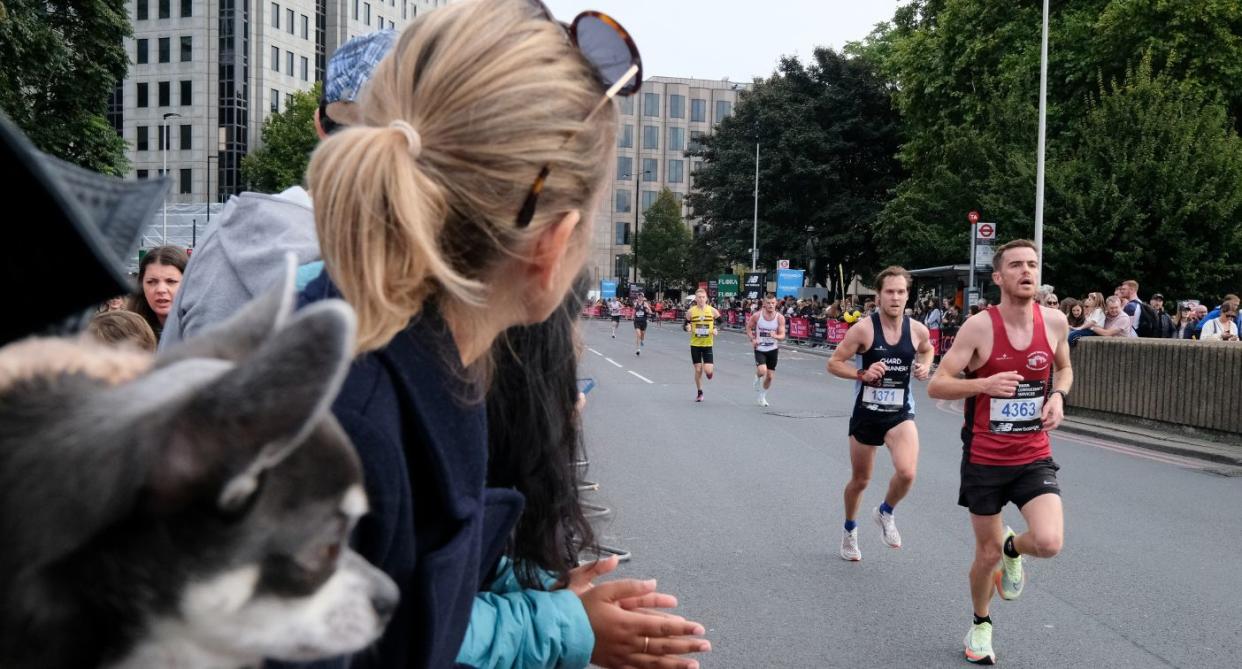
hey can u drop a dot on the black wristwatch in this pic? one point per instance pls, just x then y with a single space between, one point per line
1064 395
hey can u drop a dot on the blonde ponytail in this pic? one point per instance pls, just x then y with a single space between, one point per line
419 201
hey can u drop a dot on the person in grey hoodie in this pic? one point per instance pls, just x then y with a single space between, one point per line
243 254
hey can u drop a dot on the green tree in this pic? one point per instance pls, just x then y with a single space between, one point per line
664 243
828 137
62 59
1151 189
289 138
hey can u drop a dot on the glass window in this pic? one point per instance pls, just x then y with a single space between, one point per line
141 13
621 266
165 9
275 59
724 109
275 100
187 48
651 104
142 95
366 13
186 7
627 105
623 200
165 93
649 198
625 167
165 49
141 57
625 138
186 92
305 69
142 174
676 139
679 198
651 137
142 138
160 144
623 232
185 182
698 110
289 63
187 135
305 27
355 10
289 20
404 7
695 145
275 15
651 169
676 171
288 101
677 106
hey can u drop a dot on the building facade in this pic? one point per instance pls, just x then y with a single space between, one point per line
204 75
654 130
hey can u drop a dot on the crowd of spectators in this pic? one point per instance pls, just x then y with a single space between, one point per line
1125 314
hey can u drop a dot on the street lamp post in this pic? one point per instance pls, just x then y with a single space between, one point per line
165 140
638 189
754 241
1039 164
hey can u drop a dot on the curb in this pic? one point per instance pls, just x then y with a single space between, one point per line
1201 450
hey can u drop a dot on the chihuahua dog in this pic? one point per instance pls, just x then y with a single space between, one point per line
186 510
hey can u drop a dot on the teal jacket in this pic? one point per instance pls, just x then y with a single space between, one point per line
532 629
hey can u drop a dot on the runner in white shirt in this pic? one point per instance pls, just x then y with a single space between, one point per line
614 311
766 328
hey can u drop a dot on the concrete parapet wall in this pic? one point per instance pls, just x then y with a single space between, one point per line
1181 382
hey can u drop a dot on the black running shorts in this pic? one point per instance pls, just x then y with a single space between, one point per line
870 431
701 354
767 358
640 325
986 488
616 319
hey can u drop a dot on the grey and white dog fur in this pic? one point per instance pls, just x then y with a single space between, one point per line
189 510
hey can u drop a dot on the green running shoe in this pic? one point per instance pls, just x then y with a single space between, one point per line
979 644
1010 577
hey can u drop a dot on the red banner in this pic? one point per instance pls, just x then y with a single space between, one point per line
800 327
627 313
668 315
591 312
836 332
934 339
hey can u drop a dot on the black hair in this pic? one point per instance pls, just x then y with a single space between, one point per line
535 441
326 122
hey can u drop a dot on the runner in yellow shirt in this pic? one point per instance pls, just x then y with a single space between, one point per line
701 324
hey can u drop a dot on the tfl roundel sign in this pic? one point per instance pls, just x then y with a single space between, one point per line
987 231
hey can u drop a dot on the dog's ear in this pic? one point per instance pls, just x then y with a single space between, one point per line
242 334
250 418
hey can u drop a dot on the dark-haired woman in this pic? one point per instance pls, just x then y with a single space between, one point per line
159 277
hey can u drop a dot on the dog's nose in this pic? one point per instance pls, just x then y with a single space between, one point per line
384 604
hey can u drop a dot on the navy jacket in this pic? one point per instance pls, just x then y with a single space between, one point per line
420 429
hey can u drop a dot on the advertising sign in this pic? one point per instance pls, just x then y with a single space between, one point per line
788 282
607 288
728 285
756 284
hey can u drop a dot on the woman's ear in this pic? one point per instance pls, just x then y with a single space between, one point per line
551 247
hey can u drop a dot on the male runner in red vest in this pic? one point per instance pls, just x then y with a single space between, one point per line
1008 353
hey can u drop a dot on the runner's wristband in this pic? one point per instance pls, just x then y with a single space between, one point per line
860 374
1064 395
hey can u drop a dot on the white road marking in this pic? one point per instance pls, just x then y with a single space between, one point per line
594 351
639 375
614 362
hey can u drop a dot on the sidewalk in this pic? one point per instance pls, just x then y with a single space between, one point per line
1131 435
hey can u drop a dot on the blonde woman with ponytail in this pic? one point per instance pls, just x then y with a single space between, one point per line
455 208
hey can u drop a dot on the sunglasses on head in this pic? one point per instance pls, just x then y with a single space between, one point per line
613 55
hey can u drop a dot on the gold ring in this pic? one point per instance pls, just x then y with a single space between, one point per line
646 643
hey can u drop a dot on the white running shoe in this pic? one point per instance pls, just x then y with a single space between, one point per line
849 546
757 384
889 527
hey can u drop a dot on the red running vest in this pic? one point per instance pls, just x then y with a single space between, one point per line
1010 431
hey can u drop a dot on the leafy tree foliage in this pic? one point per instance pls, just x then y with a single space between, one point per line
664 243
289 138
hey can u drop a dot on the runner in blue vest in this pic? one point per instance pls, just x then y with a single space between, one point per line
881 353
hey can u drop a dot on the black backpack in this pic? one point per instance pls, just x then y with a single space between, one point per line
1148 322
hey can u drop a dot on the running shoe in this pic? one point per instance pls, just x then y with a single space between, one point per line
979 644
849 546
699 398
1010 577
889 527
757 384
638 352
763 402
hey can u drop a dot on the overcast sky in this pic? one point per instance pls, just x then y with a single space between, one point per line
714 39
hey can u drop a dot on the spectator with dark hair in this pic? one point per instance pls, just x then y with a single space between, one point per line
122 327
114 304
1210 315
159 278
1163 327
1074 312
